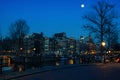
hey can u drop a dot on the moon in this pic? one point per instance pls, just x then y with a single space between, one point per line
82 5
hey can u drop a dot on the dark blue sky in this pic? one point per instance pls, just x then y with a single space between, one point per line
48 16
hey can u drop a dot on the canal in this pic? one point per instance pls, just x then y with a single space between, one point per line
20 64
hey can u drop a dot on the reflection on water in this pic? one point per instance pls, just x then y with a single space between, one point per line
5 60
57 63
9 62
65 62
20 68
80 60
12 66
71 61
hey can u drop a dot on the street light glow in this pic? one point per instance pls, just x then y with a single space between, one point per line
34 49
103 43
21 48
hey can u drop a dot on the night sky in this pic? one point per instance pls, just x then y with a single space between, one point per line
47 16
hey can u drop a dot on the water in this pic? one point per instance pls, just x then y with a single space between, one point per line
22 65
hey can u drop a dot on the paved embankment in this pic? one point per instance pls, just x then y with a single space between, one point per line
14 75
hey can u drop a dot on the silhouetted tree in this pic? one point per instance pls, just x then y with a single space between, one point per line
6 44
18 30
116 47
101 20
112 37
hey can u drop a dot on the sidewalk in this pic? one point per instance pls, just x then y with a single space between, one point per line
14 75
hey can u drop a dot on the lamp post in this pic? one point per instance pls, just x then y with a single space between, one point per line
21 51
34 49
21 48
103 45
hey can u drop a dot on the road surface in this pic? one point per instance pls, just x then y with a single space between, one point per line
109 71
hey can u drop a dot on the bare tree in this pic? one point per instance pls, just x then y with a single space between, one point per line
111 36
6 44
101 20
18 30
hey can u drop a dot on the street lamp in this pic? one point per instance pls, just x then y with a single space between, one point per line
34 49
21 48
103 45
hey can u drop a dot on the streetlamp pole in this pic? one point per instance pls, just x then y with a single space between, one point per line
103 45
20 51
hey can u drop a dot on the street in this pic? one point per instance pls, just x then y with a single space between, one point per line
109 71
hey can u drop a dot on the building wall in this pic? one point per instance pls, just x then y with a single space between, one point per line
46 46
34 44
60 39
71 46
